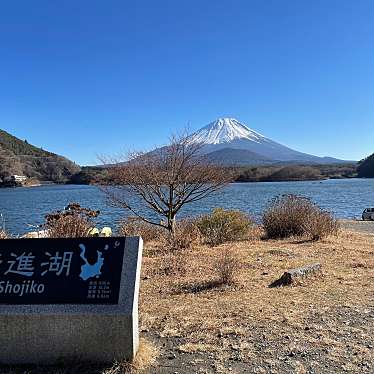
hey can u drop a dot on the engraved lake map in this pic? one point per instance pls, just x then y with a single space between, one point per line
61 271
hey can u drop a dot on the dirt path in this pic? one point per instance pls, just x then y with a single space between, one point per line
359 226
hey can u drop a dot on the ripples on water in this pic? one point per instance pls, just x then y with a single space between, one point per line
23 208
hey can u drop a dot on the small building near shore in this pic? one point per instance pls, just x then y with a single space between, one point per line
15 178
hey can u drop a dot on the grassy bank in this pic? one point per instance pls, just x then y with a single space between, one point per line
323 325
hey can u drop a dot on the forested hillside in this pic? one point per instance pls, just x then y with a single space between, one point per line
366 167
19 157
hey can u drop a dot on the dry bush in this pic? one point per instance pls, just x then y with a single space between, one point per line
222 226
173 264
134 226
291 215
320 225
255 232
145 357
186 235
72 222
286 216
69 227
226 266
3 234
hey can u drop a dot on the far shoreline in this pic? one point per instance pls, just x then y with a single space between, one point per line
46 184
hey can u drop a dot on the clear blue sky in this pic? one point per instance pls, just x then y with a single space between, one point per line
89 77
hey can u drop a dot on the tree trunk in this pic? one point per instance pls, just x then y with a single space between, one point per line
171 213
171 224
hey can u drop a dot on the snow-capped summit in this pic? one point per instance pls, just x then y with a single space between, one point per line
232 142
225 130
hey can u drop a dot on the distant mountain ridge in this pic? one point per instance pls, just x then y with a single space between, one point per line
234 143
18 157
238 157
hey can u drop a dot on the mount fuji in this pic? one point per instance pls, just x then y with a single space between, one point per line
230 142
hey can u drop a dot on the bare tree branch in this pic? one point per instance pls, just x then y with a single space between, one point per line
165 180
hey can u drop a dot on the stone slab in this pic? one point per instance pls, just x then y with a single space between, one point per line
46 334
291 276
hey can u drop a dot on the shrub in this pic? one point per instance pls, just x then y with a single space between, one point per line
286 216
222 226
225 267
72 222
255 232
291 215
185 236
69 227
320 225
134 226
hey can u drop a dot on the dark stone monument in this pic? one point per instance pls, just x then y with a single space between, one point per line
69 299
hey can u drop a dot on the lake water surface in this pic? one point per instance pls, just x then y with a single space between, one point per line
24 208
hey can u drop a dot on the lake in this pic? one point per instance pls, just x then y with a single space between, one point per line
23 209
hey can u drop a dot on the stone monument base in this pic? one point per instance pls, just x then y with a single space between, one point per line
48 339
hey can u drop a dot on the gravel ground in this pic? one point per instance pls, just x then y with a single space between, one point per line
359 226
309 350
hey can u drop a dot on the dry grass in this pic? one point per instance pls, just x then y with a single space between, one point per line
135 226
252 325
185 237
226 266
172 264
146 357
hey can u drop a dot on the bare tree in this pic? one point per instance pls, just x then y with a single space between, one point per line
165 180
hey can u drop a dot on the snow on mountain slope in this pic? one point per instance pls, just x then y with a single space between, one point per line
231 134
225 130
